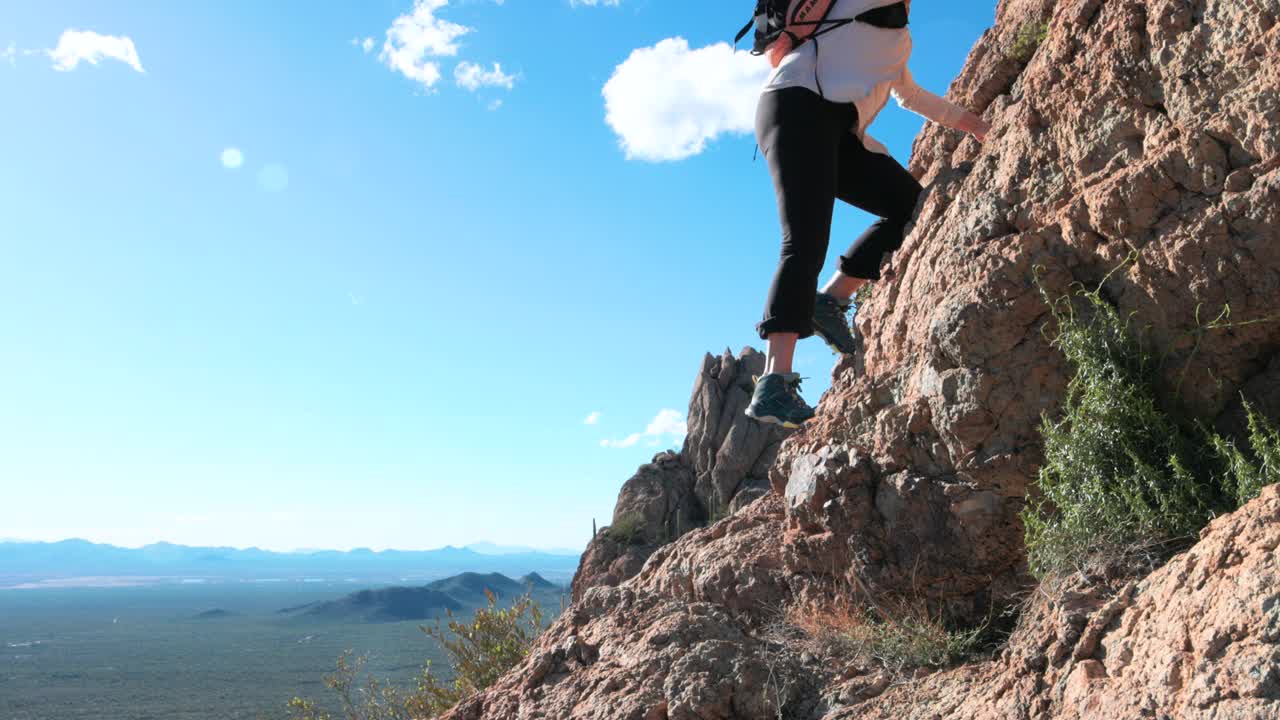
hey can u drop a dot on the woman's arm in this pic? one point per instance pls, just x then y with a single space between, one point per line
940 110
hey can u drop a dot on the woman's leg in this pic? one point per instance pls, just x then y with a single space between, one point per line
779 353
878 184
842 286
799 134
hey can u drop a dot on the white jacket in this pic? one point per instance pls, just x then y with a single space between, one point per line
862 64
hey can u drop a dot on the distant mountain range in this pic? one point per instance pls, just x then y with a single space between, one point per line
488 548
28 562
457 593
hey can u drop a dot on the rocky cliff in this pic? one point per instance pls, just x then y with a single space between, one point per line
723 466
1136 148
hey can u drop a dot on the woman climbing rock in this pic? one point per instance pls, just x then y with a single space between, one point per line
836 63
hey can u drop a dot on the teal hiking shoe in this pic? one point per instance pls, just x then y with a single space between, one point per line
831 323
777 401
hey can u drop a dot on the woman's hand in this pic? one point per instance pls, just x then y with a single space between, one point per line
976 127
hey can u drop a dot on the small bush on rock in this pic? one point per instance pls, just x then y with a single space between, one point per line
1120 472
627 529
1117 470
1245 474
899 637
1028 40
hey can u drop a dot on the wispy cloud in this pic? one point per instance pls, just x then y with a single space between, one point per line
667 424
417 39
593 418
472 76
84 45
594 3
668 101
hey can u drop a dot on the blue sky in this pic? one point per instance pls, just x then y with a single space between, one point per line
440 252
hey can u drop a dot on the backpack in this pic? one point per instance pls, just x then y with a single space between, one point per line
789 23
794 20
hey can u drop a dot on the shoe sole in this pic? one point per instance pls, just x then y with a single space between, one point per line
772 420
831 345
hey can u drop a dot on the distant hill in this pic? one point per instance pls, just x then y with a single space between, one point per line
214 614
461 592
26 562
391 604
469 587
537 582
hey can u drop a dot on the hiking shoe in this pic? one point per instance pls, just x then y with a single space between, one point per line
777 401
831 323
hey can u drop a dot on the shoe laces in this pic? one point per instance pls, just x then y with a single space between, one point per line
793 387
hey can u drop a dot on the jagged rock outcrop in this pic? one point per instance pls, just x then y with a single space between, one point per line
723 466
669 647
1143 128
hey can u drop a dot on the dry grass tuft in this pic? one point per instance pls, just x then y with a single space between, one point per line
899 635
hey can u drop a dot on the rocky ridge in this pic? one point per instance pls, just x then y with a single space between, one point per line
1137 150
723 466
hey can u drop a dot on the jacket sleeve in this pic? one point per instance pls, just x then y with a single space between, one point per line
922 102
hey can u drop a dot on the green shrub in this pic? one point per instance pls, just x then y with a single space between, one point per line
1118 470
863 294
480 652
360 699
627 530
1028 40
1243 474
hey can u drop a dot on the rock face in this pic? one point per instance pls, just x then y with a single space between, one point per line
1143 127
722 467
1199 638
669 645
1136 149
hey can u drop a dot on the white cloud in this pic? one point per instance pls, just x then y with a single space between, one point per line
367 45
594 3
77 45
593 418
666 423
9 54
232 158
667 102
415 38
472 76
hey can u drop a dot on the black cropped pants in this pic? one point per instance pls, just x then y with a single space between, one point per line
814 158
